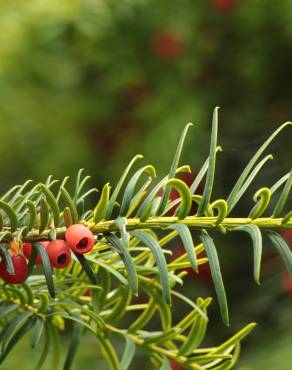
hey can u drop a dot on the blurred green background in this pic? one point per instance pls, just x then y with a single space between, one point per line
91 83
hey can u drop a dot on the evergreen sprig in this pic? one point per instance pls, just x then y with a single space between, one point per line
130 258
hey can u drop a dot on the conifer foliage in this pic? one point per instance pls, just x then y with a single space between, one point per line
63 263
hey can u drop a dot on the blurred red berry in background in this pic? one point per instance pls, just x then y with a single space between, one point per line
224 5
287 235
176 366
286 280
167 45
204 272
87 293
287 283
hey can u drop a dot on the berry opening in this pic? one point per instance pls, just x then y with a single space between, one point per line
62 258
83 243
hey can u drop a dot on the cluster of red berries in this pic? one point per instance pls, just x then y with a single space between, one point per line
77 238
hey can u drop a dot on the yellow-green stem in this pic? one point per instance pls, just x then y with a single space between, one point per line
162 222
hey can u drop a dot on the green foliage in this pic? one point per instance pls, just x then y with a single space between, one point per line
95 292
78 82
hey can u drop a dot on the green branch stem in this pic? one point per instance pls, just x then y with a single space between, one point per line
195 222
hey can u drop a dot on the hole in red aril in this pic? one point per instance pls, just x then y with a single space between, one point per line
82 244
62 258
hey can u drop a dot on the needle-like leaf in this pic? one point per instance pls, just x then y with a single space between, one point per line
47 268
216 275
212 165
173 168
122 249
128 355
129 191
256 237
119 185
187 240
252 163
75 339
283 249
148 240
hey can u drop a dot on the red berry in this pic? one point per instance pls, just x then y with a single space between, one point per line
79 238
224 5
59 254
20 268
167 45
27 248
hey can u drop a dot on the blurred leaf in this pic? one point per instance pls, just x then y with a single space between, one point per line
108 352
69 202
99 297
17 336
101 207
11 326
128 355
67 217
114 272
32 214
52 202
166 365
119 309
7 310
11 214
75 339
44 215
144 317
37 332
45 351
197 331
161 337
234 339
